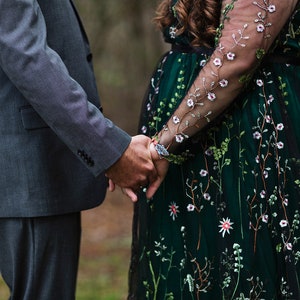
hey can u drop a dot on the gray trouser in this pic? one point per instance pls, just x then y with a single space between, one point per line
39 256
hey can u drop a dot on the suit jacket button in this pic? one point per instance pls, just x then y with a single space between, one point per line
89 57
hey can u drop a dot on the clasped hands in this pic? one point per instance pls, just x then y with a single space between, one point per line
140 166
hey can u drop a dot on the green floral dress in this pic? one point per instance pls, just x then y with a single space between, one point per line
225 223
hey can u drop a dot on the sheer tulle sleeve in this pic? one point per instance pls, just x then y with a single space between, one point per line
248 29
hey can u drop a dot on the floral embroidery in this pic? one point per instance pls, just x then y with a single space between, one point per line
262 16
203 173
173 209
144 129
190 102
279 145
172 32
196 100
265 218
190 207
256 135
206 196
176 120
230 56
211 96
260 28
223 83
225 226
217 62
259 82
280 126
267 199
283 223
179 138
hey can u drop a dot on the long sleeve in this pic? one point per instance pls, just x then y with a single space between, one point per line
247 30
41 76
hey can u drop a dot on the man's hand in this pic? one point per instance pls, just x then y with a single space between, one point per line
161 166
135 168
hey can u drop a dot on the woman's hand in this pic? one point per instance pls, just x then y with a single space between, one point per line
126 191
161 166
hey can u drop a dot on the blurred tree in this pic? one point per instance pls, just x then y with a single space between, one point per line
126 47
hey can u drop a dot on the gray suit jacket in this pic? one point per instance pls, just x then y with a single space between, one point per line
55 143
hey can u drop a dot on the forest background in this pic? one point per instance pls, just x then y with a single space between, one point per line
126 47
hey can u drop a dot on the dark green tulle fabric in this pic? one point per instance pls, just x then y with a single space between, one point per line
225 223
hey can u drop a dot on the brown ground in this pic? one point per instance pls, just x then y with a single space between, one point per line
111 220
105 248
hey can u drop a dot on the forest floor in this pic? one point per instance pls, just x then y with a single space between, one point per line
105 249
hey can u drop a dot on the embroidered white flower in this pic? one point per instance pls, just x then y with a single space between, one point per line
289 246
148 106
206 196
144 129
263 194
190 207
209 152
257 159
280 145
266 174
202 63
265 218
286 201
268 119
260 28
259 82
280 126
217 62
179 138
211 96
283 223
270 99
225 226
271 8
256 135
176 120
223 83
230 56
172 32
203 173
173 209
190 102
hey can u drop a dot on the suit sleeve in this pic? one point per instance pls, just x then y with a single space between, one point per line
40 75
